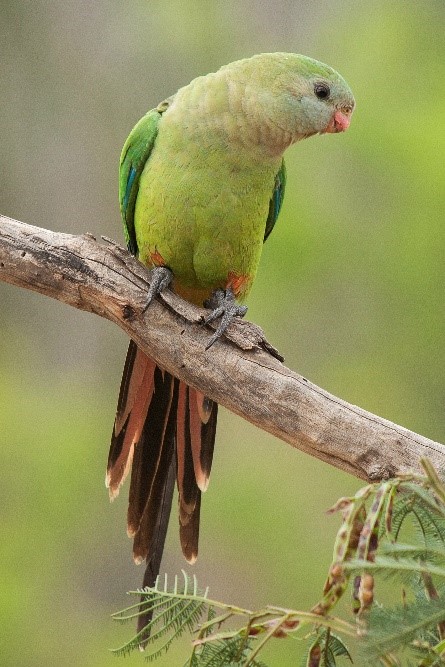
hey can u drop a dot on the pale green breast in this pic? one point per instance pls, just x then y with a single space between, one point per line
201 213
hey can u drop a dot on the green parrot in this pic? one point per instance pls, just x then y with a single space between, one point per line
201 184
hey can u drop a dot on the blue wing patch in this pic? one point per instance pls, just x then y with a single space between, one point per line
276 200
130 181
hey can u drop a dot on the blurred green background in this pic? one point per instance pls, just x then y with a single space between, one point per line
350 290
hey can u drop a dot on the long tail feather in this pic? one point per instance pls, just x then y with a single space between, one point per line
189 493
163 429
148 523
196 428
150 452
134 398
157 546
203 416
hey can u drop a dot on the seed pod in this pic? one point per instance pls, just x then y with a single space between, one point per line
314 657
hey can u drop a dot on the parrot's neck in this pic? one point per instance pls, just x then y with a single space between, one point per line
218 111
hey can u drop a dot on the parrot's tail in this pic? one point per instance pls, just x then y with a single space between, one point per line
164 430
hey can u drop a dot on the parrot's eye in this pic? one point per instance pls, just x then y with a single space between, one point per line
322 90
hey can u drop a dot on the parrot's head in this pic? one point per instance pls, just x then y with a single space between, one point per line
320 97
296 94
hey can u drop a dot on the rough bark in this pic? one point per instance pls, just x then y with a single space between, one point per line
241 372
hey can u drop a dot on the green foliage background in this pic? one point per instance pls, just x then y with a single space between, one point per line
351 290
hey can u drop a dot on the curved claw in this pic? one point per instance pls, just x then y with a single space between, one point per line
223 305
160 279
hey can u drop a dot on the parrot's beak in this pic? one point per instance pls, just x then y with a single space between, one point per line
339 122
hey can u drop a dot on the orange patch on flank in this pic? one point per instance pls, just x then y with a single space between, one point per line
157 258
237 283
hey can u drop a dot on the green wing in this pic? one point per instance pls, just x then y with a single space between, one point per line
135 154
276 200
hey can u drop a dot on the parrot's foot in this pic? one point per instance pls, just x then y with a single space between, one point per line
223 305
160 279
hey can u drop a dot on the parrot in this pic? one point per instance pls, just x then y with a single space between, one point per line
201 185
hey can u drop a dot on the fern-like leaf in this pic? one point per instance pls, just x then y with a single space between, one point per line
233 652
402 568
395 629
174 612
434 555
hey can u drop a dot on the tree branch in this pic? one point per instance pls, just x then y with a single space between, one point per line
240 372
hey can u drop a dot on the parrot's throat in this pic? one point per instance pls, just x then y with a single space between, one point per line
249 126
260 132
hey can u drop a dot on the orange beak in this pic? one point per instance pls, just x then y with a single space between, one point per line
339 122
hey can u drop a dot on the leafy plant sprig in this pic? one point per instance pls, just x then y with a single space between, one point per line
367 549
